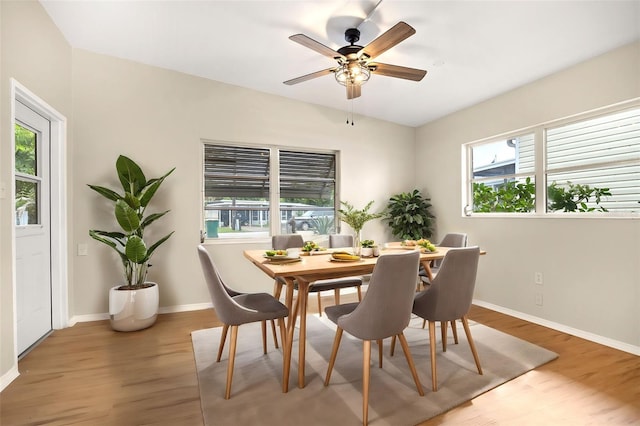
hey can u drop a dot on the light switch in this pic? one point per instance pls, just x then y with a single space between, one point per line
82 250
3 190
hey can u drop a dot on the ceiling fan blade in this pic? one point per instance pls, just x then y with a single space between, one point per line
317 46
353 91
387 40
397 71
309 76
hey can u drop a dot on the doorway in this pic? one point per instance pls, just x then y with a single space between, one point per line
40 224
32 226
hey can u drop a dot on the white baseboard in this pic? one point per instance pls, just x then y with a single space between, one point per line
9 377
164 310
185 308
635 350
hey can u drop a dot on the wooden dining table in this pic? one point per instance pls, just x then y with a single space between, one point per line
304 272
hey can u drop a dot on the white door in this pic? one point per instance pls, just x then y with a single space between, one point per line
33 231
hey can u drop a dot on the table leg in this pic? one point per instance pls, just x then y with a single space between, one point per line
426 264
289 300
291 325
303 295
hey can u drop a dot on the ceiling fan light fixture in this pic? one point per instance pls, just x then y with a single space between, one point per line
352 73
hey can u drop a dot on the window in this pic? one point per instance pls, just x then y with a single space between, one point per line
252 191
590 164
28 180
503 175
595 160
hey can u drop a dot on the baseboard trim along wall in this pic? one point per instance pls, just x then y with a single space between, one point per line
163 310
635 350
9 377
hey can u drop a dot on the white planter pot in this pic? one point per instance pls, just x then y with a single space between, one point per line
131 310
366 251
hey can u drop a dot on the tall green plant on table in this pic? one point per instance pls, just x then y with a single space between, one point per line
356 219
409 216
130 213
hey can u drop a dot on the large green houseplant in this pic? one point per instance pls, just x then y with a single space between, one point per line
129 210
409 216
133 305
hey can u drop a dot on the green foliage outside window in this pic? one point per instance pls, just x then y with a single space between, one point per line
519 197
574 197
511 197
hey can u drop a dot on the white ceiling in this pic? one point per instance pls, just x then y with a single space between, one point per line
472 49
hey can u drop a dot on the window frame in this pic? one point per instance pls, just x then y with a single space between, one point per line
541 170
274 187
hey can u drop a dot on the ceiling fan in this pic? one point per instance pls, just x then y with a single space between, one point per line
355 63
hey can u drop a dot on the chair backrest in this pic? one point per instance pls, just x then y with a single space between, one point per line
226 308
450 294
283 242
385 309
340 240
452 239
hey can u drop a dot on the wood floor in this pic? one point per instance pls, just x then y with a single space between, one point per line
91 375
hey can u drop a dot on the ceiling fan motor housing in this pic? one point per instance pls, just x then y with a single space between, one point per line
352 35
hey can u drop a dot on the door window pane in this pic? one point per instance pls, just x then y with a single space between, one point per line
26 203
26 151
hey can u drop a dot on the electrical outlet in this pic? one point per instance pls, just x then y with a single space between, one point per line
539 299
82 250
537 278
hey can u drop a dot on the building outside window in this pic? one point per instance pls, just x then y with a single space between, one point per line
258 191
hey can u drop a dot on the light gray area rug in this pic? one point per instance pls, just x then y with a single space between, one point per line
257 398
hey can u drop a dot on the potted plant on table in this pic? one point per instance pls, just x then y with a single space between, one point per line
356 219
133 305
367 248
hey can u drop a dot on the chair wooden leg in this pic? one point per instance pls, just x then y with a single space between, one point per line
334 352
424 323
263 325
380 353
232 358
275 334
366 367
467 331
412 365
455 331
432 348
283 332
319 304
223 338
443 331
277 291
336 296
393 346
359 293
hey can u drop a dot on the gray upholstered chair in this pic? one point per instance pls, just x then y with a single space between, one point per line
384 311
453 239
234 311
448 298
282 242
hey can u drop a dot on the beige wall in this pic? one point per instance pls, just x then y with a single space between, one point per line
591 267
35 54
158 118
